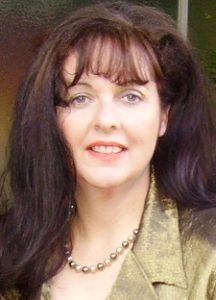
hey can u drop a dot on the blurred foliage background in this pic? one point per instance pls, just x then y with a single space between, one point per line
22 21
202 32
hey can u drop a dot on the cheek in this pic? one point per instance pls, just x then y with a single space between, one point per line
145 127
68 127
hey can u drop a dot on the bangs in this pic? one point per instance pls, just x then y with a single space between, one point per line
121 57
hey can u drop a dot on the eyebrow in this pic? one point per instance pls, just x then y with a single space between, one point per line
69 86
146 81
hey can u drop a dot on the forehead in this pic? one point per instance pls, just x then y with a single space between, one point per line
111 60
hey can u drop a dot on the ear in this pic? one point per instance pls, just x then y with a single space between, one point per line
164 120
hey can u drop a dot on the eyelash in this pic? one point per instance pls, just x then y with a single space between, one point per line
73 100
138 98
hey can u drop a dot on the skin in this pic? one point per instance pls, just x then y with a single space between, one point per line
111 188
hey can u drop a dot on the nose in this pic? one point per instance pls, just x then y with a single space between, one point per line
106 117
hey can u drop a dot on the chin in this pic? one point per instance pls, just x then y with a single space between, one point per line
105 182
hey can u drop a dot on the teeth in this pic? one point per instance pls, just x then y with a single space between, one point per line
107 149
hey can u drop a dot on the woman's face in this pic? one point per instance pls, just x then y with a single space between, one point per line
112 130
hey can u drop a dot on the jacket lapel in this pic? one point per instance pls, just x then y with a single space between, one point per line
132 282
154 267
158 248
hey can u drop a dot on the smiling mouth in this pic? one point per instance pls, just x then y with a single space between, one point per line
107 149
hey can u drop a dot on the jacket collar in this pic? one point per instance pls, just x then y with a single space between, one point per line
156 256
158 247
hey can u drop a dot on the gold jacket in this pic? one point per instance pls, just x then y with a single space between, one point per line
173 258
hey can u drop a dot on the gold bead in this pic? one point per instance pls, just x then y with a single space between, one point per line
107 261
78 268
125 244
119 250
100 266
70 259
113 255
72 264
85 269
92 269
136 231
131 238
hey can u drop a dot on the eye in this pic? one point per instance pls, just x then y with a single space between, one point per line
79 100
132 98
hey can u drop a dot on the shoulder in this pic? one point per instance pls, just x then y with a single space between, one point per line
198 240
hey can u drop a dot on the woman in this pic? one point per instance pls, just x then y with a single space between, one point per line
112 165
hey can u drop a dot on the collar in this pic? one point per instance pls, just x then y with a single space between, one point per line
158 246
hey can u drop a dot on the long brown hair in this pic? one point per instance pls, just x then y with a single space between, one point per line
42 179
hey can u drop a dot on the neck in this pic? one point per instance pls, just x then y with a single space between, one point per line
109 213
